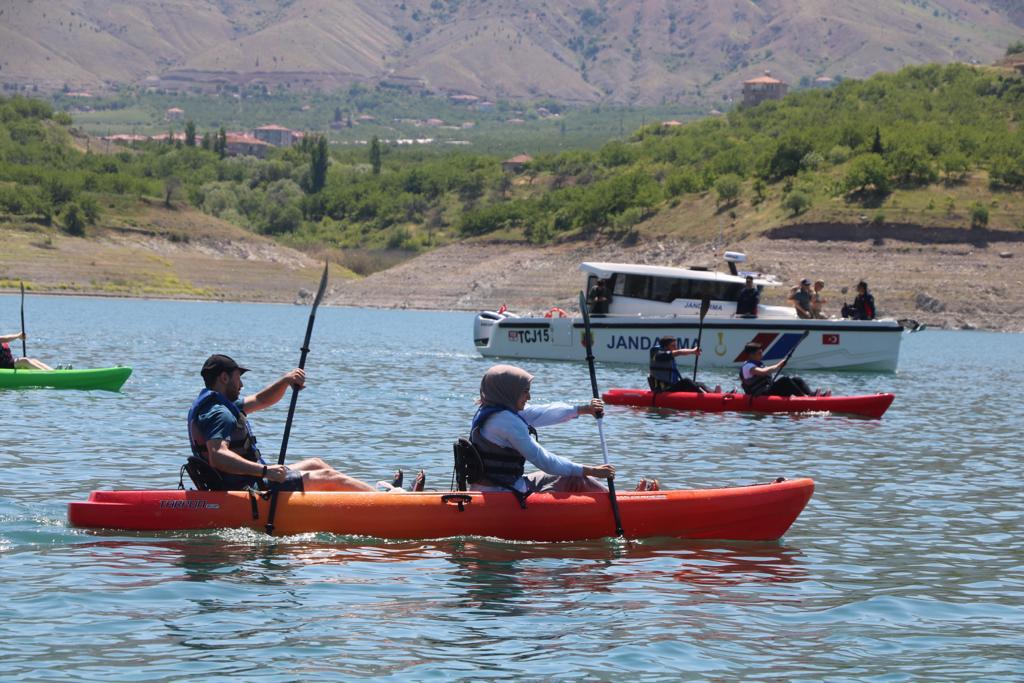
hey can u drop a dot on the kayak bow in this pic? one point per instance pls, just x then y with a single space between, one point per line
109 379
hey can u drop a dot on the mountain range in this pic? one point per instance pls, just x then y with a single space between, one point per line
694 52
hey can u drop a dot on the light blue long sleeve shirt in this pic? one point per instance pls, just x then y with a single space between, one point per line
507 430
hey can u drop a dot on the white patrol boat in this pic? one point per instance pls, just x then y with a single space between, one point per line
645 303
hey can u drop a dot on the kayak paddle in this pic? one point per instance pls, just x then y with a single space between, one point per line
600 428
790 354
24 353
295 396
705 304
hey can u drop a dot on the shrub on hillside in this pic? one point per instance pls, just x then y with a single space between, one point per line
796 202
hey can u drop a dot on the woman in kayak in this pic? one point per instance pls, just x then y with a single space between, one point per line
9 362
501 432
756 377
220 435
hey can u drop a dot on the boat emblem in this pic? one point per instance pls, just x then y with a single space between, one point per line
827 339
720 347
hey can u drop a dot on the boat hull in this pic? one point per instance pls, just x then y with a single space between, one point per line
109 379
755 513
871 345
868 405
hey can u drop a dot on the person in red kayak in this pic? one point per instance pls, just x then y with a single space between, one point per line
9 362
664 374
501 432
756 377
220 435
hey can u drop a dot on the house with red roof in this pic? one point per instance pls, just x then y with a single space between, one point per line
762 88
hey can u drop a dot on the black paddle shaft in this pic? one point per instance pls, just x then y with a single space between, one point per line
295 395
24 353
588 342
705 304
790 354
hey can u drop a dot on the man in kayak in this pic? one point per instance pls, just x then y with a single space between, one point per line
664 373
756 377
220 435
748 300
9 362
501 432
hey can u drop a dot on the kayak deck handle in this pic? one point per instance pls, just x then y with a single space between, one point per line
460 499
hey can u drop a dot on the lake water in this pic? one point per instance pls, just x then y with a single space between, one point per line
908 563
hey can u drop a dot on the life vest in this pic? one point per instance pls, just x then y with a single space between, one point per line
500 464
241 441
664 371
6 357
757 384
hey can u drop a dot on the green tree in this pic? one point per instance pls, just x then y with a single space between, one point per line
74 221
796 202
318 165
220 145
728 189
375 155
876 145
190 133
1015 48
979 215
172 185
867 172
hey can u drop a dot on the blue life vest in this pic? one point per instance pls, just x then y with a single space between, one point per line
757 384
664 371
241 441
501 465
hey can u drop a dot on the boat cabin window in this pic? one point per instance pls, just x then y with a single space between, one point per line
667 289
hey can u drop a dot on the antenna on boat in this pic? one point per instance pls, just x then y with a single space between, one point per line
734 257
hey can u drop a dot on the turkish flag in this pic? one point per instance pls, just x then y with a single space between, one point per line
830 339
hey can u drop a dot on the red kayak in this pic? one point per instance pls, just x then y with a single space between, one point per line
755 513
868 405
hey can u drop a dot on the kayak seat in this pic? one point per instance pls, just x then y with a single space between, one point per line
468 465
202 475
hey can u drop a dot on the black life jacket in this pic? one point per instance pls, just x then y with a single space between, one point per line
664 371
6 357
241 441
757 384
501 465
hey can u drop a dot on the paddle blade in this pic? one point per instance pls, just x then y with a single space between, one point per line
705 305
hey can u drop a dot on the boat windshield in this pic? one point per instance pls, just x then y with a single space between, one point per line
667 289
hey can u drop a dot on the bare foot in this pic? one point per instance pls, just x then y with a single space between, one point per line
420 482
397 481
653 485
641 485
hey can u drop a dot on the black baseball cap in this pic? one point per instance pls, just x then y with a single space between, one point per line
218 363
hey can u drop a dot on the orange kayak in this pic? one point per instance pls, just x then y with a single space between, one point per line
867 405
754 513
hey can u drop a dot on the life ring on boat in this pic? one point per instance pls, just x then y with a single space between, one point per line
555 309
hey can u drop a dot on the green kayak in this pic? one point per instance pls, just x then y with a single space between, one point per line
109 379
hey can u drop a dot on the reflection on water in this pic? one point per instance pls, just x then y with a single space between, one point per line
905 565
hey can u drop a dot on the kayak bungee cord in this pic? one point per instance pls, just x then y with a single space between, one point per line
600 428
295 397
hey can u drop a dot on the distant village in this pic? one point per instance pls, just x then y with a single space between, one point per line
258 141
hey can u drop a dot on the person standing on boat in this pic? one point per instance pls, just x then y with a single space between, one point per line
501 432
9 362
597 298
863 305
748 300
665 375
220 436
801 298
756 377
817 300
